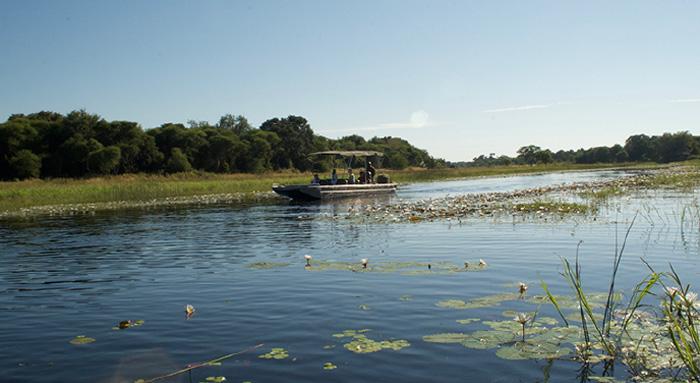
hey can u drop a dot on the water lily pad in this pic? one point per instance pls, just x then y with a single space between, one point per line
267 265
329 366
448 337
364 307
362 344
487 301
482 340
467 321
81 339
275 353
405 298
530 350
214 379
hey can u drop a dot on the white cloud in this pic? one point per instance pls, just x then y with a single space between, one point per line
685 100
517 108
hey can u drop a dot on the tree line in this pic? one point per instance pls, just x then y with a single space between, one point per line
668 147
79 144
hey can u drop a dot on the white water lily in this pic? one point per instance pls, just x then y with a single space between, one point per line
308 259
482 262
364 262
189 310
690 299
522 318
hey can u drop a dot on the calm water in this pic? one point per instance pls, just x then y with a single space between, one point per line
63 277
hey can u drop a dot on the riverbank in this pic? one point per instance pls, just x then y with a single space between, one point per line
60 196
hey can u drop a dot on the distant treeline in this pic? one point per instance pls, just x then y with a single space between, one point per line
668 147
48 144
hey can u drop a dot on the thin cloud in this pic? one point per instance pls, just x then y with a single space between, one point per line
517 108
685 100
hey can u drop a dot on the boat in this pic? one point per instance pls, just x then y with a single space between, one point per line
323 189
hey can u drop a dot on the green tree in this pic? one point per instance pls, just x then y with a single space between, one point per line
237 124
178 162
527 154
104 160
25 164
297 140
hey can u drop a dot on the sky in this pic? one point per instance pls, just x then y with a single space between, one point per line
457 78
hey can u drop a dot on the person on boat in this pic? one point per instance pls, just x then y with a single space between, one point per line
315 180
370 173
334 177
351 176
363 177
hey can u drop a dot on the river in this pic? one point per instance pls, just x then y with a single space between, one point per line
62 277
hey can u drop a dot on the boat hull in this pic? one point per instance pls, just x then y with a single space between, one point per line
323 192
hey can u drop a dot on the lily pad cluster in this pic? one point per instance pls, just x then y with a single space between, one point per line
362 344
541 342
477 303
275 353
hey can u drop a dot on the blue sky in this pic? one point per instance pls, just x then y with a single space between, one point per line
458 78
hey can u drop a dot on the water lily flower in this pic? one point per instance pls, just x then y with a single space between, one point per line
189 310
364 263
308 259
522 318
482 262
522 287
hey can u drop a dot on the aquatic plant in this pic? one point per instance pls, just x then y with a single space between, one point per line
308 259
362 344
128 324
364 263
481 302
329 366
275 353
81 339
267 265
522 318
214 379
189 310
522 288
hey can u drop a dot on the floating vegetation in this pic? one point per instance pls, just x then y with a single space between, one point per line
526 338
467 321
364 307
527 350
214 379
123 325
405 268
406 298
477 303
267 265
275 353
81 339
329 366
361 344
548 202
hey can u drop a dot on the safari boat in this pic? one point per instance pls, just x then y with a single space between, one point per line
341 187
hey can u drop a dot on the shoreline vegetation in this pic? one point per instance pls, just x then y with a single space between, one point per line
70 196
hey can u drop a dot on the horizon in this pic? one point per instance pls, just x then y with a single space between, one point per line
456 79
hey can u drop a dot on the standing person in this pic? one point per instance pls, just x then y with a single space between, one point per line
334 177
315 180
351 176
370 172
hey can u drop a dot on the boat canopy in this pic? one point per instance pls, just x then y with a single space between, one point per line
348 153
